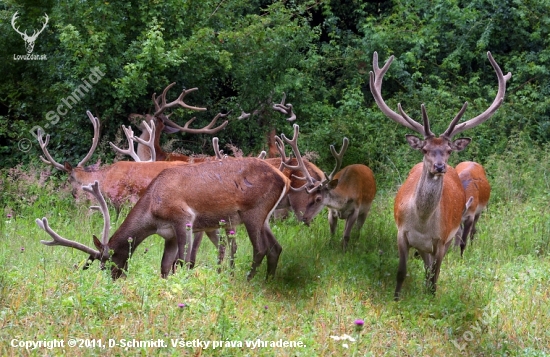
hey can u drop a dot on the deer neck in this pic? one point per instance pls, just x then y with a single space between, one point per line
428 193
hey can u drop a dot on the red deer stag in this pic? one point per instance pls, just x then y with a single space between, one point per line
348 194
475 184
194 197
428 207
164 124
120 182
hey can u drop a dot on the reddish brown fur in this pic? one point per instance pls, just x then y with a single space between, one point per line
475 183
348 196
238 191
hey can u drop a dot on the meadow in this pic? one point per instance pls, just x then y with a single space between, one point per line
495 301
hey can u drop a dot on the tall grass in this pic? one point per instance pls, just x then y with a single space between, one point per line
494 301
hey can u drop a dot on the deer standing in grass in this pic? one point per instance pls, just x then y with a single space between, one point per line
347 193
192 198
428 207
475 184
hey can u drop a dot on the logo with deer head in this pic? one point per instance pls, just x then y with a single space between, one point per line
29 40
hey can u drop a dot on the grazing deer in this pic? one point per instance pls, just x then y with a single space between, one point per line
193 197
477 187
164 124
428 206
348 194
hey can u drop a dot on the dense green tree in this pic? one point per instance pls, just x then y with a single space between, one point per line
245 54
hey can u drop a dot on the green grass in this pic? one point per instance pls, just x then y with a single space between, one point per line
494 301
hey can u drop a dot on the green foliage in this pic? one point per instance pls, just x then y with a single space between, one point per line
245 54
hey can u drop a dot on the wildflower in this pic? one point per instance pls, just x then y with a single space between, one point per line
188 226
146 250
9 215
22 249
130 239
222 222
359 324
182 305
231 233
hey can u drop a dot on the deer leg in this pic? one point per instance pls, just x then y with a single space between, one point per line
169 256
474 230
468 226
274 250
332 221
403 248
258 245
350 222
195 248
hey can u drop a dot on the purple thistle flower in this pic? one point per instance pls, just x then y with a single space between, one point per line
231 233
188 226
146 250
22 249
9 215
181 305
130 239
359 324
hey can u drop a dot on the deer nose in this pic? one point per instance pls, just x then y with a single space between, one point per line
439 167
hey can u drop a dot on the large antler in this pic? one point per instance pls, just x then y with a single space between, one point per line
58 240
285 109
161 106
49 159
338 156
206 130
311 184
131 138
454 129
377 75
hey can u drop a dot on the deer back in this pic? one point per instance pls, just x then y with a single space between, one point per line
475 184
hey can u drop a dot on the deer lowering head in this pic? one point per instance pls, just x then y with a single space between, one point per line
29 40
194 198
428 206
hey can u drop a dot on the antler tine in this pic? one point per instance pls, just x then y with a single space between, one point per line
94 190
502 79
449 132
262 155
49 159
206 130
311 184
95 140
216 146
427 131
338 157
285 109
58 240
151 142
160 107
375 82
131 150
281 148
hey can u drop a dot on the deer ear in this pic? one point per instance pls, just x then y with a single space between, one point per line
460 144
332 184
67 166
415 142
98 244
